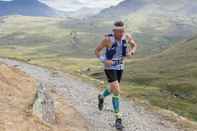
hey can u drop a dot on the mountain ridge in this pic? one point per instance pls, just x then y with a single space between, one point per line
27 8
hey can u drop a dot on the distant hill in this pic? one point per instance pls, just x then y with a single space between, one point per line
123 8
130 6
27 8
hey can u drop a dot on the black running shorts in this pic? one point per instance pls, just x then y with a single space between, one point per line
113 75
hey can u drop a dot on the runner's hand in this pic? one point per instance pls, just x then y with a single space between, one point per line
130 53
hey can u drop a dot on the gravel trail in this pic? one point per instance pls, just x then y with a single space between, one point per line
83 97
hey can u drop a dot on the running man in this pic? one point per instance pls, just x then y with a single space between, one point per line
117 48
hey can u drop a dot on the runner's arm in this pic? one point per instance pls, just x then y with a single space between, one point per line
99 48
132 43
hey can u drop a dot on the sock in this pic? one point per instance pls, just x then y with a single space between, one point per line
115 103
106 92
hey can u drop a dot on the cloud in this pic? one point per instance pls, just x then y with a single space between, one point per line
74 5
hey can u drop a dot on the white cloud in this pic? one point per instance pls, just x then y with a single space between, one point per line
74 5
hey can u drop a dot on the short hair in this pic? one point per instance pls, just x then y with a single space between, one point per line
119 23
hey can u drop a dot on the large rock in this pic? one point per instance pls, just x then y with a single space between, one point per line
44 105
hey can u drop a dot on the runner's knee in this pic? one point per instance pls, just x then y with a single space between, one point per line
115 88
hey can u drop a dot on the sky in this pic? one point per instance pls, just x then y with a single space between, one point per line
74 5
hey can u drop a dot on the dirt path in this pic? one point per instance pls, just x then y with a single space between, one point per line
83 97
22 108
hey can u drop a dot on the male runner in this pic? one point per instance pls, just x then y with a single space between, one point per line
117 48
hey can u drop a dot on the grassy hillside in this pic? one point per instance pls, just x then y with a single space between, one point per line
167 80
44 36
177 62
47 42
175 72
78 38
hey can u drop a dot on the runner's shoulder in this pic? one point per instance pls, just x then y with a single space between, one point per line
128 36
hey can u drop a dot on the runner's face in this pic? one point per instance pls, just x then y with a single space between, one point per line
118 33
